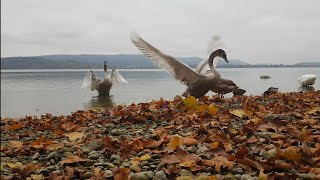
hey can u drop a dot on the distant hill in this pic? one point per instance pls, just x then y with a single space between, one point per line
311 64
85 61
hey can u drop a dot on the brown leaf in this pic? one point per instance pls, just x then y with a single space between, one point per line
72 159
16 144
189 141
121 174
218 162
175 141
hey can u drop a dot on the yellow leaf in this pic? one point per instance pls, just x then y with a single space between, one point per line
134 162
262 176
190 102
74 136
37 176
175 141
214 145
204 177
16 165
238 112
186 164
145 157
212 109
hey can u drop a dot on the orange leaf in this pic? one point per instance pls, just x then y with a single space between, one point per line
214 145
218 161
72 159
175 141
292 154
122 174
189 141
52 147
16 144
16 126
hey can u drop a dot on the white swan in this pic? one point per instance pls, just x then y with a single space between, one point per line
307 79
198 84
103 87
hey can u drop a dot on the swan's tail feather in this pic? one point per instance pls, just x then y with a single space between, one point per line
115 76
90 81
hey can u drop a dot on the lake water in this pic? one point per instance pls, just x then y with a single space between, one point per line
36 92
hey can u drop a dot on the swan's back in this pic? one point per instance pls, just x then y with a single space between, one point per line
307 79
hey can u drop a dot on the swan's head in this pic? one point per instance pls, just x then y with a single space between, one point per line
221 53
105 66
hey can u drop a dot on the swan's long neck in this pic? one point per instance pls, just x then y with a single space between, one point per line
211 65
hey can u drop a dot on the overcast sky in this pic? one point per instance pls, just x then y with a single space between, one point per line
265 31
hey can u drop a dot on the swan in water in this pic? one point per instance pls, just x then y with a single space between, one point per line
307 79
102 86
198 84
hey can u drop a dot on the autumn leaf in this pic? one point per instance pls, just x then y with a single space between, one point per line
55 146
16 126
37 176
16 144
238 112
15 165
189 141
292 154
262 176
212 110
184 178
175 141
72 159
121 174
190 102
214 145
218 162
74 136
305 135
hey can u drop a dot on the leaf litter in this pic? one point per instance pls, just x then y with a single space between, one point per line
268 137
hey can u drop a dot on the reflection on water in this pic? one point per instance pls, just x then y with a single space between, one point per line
97 102
306 88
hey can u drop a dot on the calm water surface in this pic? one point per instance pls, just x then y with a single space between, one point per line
35 92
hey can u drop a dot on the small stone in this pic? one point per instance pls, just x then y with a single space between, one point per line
51 168
153 166
87 175
145 167
115 157
185 172
94 156
237 176
144 163
191 149
108 173
89 163
2 154
202 150
56 172
52 155
306 176
125 165
160 175
52 161
44 172
86 150
139 176
272 152
245 177
161 165
95 144
67 154
92 152
35 156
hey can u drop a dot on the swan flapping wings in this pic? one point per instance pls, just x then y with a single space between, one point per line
175 68
90 81
115 76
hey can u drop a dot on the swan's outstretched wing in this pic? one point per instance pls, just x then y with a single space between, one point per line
90 81
177 69
115 76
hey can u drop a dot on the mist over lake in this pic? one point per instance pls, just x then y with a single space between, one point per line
36 92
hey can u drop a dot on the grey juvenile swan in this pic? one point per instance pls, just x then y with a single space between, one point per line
198 84
102 86
224 86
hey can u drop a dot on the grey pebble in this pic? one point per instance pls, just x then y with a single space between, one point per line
185 172
87 175
237 176
191 149
52 155
161 165
245 177
160 175
139 176
35 156
67 154
202 150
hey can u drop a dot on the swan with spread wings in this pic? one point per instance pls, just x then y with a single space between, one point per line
102 86
198 84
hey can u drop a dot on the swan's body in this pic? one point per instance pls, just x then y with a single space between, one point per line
102 86
198 84
223 86
307 79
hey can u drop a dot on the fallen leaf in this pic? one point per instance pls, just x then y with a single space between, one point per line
189 141
72 159
238 112
16 144
15 165
74 136
184 178
190 102
212 109
175 141
218 162
37 176
214 145
121 174
52 147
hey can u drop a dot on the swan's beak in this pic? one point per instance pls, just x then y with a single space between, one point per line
226 60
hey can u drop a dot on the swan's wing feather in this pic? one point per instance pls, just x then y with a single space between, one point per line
90 81
175 68
115 76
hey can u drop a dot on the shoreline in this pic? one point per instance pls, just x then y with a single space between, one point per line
247 137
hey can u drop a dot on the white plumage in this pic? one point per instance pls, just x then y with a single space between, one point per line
103 87
307 79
